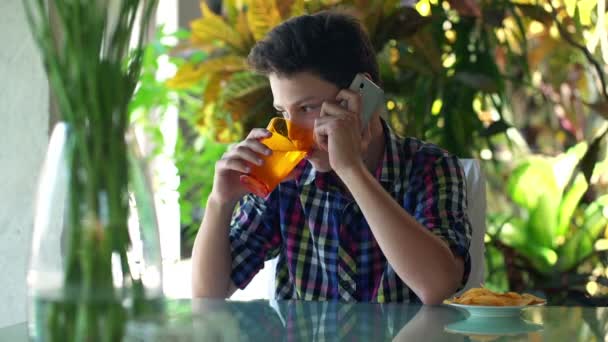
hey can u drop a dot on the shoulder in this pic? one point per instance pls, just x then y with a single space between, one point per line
418 151
428 159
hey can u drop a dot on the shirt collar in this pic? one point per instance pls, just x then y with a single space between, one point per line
387 172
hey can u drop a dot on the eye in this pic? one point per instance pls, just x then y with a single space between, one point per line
309 108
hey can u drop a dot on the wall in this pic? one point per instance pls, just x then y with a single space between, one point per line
23 138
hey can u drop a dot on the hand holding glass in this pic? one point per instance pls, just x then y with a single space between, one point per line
289 144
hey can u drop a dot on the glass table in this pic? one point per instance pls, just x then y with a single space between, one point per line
220 320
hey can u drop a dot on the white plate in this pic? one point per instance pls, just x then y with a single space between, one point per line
493 311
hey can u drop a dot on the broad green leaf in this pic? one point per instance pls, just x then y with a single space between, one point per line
580 245
262 16
569 204
543 258
513 233
589 160
212 28
542 223
531 180
566 163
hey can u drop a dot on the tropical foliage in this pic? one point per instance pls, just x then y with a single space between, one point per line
518 84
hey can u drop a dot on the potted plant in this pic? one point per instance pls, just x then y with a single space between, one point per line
95 260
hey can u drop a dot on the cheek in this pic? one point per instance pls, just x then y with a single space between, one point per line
306 119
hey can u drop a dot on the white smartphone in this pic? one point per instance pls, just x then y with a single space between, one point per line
372 96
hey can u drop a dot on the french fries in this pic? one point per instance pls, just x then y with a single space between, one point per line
483 296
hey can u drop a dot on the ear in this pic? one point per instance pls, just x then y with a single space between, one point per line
366 74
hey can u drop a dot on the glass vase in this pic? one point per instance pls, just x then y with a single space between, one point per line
95 261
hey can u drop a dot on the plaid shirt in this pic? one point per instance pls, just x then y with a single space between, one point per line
325 248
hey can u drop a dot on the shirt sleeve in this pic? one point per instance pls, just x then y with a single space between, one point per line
441 204
254 237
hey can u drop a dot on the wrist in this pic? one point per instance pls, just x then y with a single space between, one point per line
215 200
352 173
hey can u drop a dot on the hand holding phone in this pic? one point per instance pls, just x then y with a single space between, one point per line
372 96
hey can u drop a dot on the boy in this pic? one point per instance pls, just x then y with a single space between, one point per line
367 216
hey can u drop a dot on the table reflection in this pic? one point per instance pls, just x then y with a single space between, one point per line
216 320
209 320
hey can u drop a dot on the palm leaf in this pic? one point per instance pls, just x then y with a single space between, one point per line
262 15
212 28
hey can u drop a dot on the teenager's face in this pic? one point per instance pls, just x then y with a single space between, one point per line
299 99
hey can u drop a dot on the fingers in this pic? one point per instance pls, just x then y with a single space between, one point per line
249 151
335 110
351 98
259 133
232 164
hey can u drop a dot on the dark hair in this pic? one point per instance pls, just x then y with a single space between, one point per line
331 44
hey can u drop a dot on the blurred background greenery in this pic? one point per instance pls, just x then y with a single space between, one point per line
518 84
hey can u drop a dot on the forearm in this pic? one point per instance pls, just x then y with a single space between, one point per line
211 260
420 258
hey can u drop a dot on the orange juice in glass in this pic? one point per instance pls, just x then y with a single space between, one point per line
289 144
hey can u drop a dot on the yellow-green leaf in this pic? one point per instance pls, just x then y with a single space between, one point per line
284 7
262 15
187 75
228 63
212 27
242 27
242 84
585 7
232 8
569 204
570 7
214 85
297 9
